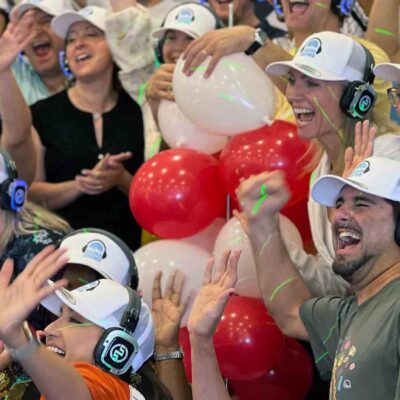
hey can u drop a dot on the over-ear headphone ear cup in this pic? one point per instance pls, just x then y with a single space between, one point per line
158 50
5 200
357 99
115 351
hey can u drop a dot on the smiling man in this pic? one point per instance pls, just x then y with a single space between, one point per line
354 339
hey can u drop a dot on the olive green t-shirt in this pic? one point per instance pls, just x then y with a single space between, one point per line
357 346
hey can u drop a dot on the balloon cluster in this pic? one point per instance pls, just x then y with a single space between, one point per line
182 193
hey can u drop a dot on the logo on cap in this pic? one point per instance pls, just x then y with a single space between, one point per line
86 12
95 250
361 168
311 48
185 16
119 353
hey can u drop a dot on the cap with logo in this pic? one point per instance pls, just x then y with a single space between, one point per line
193 19
328 56
375 175
52 7
388 72
93 14
101 251
104 303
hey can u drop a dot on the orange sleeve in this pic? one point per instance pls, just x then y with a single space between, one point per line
102 386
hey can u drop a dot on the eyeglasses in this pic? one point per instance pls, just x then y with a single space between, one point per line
394 96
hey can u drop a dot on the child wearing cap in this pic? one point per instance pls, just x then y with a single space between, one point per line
104 331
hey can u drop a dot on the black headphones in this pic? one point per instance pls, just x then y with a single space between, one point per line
160 42
13 191
359 97
133 272
397 231
117 347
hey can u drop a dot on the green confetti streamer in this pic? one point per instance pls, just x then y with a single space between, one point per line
330 332
279 287
265 245
321 357
226 96
154 148
264 195
326 116
200 68
385 32
321 5
142 90
76 325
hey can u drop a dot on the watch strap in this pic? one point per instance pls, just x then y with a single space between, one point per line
173 355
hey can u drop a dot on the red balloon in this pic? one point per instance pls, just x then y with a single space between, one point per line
177 193
247 341
184 341
291 380
267 149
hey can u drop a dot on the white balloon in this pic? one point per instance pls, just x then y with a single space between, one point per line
232 236
167 256
179 131
207 237
235 98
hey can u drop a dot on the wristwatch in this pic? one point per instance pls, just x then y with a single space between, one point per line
26 350
173 355
260 38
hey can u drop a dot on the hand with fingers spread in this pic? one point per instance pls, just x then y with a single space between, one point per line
211 299
14 39
258 205
159 86
19 298
217 44
167 311
363 147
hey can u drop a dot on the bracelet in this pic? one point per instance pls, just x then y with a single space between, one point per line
26 350
173 355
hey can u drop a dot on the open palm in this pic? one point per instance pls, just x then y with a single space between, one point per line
167 310
21 297
211 299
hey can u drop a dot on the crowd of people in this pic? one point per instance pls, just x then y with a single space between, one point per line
81 83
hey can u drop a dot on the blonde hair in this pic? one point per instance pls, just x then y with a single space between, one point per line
31 219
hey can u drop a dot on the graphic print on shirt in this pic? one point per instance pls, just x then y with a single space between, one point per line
345 363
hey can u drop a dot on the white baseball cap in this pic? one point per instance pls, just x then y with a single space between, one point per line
52 7
101 251
375 175
104 303
93 14
4 6
388 72
327 56
193 19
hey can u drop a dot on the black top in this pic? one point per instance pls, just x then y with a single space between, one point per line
68 135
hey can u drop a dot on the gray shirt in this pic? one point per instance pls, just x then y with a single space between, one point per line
357 346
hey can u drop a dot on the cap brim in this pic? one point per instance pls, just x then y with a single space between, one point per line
327 188
159 33
388 72
283 67
18 10
62 23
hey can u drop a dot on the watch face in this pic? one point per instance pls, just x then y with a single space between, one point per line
261 36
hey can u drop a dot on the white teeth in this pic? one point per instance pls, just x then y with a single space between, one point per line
82 57
344 233
303 110
299 1
56 350
41 43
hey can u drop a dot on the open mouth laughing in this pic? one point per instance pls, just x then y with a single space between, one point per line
298 7
346 238
304 115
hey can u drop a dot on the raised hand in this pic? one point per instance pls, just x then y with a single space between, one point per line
20 298
14 39
262 196
363 147
211 299
159 86
217 44
167 311
5 358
